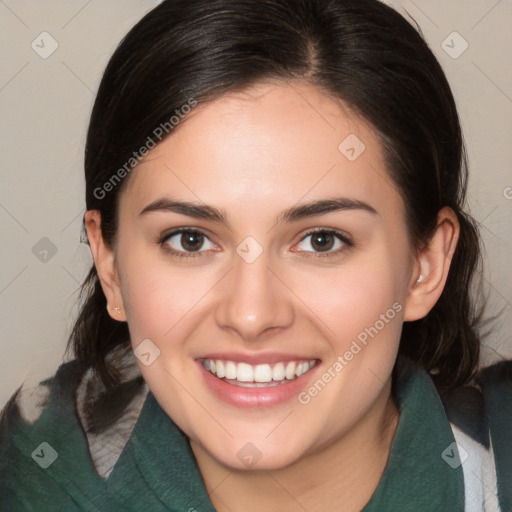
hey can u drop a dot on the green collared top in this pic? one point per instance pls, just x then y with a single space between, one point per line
441 458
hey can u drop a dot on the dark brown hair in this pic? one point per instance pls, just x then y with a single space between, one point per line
361 51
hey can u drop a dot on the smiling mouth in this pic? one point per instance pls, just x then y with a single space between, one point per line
260 375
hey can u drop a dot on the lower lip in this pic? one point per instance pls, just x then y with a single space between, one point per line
256 397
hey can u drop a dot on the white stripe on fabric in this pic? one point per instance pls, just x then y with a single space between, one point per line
479 469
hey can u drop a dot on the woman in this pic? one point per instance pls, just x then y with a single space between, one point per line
278 316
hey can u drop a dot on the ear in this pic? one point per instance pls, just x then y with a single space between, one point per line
104 261
432 264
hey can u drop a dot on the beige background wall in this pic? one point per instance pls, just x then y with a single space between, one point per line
45 104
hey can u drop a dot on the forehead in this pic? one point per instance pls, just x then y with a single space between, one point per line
270 144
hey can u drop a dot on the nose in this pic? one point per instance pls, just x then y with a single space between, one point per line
254 301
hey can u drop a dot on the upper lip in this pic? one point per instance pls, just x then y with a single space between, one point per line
256 358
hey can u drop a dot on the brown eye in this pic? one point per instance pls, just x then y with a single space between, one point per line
191 241
187 240
323 241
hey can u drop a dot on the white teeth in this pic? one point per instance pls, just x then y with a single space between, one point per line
244 372
301 369
258 374
290 370
278 372
230 370
220 370
263 373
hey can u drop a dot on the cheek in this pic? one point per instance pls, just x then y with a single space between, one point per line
160 302
350 299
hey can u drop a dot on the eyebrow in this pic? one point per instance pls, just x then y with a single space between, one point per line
293 214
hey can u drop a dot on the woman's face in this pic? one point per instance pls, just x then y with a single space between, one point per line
246 178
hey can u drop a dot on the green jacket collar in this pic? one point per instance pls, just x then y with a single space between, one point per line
417 477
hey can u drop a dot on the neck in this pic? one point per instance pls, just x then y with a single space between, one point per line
342 475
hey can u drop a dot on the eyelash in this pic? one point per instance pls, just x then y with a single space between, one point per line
308 254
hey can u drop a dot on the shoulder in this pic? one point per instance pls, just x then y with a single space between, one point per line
60 439
33 406
31 421
496 384
496 380
487 403
481 419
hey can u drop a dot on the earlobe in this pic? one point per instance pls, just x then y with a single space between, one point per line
432 267
104 261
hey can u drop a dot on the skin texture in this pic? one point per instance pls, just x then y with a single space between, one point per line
253 155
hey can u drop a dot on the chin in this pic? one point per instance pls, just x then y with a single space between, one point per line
258 455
